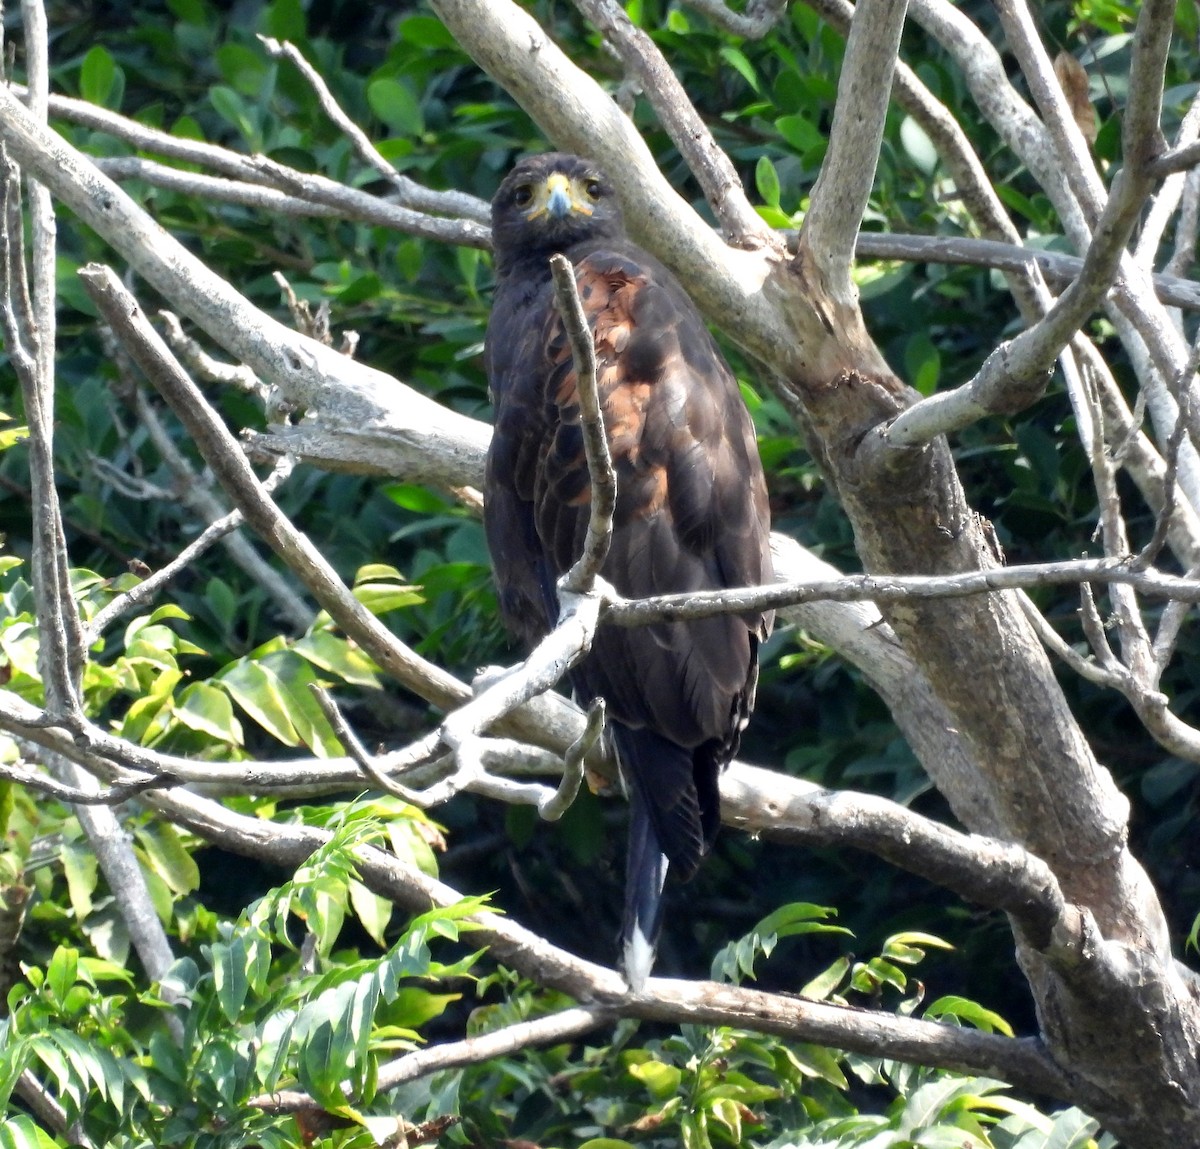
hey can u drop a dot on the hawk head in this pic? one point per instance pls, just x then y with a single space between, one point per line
548 204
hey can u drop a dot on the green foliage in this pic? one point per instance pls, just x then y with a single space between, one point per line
257 1012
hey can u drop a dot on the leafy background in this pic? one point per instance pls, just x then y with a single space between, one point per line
218 673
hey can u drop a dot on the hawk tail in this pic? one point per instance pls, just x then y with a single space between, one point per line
645 873
666 827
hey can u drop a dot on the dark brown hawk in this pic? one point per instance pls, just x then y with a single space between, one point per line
691 509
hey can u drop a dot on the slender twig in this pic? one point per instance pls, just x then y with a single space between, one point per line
546 664
1085 667
603 502
222 453
554 1028
573 764
1187 226
205 365
1070 148
83 795
898 588
1171 289
1154 545
1178 159
1169 196
60 650
1016 373
758 19
153 584
410 192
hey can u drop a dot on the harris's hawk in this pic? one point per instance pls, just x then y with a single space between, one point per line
691 512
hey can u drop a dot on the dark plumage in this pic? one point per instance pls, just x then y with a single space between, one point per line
691 506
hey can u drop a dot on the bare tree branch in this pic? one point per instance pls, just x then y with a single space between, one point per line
897 588
1170 289
27 319
225 457
839 198
79 791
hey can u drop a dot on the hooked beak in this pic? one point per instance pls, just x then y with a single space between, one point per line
558 196
557 199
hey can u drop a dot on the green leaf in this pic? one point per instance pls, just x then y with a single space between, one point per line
97 75
413 1007
728 1113
379 598
169 857
425 32
10 437
285 20
799 918
258 691
1072 1129
371 910
737 60
963 1009
930 1102
907 947
230 978
396 106
816 1061
663 1081
81 871
61 972
322 1062
206 709
244 68
21 1133
231 107
918 146
766 179
335 654
922 363
801 133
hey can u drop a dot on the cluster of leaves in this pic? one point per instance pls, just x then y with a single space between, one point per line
253 1012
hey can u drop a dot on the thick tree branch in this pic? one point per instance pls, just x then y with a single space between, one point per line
740 223
348 393
1022 1062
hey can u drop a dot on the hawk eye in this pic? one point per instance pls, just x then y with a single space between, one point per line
523 195
592 187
